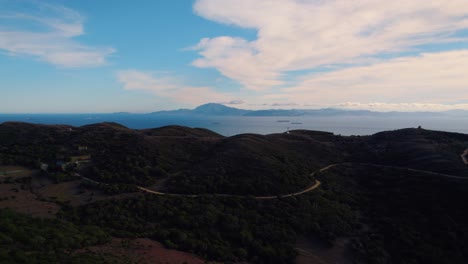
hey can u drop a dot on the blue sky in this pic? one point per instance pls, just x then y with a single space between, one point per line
93 56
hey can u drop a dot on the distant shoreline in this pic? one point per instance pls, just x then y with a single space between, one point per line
235 125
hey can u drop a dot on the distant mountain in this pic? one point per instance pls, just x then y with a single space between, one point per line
275 112
308 112
219 109
210 109
213 109
173 112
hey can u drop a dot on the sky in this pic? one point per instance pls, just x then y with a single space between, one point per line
87 56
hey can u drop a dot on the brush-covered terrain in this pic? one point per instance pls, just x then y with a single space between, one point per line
393 197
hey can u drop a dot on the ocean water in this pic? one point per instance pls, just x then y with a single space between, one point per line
233 125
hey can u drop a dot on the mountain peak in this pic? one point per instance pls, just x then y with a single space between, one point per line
218 109
210 106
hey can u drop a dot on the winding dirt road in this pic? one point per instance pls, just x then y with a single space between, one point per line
314 186
11 172
464 157
311 188
409 169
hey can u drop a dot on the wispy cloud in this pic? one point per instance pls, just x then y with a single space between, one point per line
232 102
47 32
302 35
402 107
171 88
431 78
236 58
281 104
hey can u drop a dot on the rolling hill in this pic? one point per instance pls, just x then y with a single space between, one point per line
394 197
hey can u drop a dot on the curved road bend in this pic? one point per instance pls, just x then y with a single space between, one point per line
309 189
409 169
464 157
313 187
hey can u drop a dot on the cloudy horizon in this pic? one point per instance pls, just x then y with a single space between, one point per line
93 57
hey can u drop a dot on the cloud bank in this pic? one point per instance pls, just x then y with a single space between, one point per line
431 78
403 107
48 32
339 51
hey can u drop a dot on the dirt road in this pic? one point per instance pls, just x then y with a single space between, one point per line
311 188
464 157
314 186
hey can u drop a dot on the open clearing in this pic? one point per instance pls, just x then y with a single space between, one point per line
23 201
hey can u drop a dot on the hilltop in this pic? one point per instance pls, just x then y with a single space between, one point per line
393 197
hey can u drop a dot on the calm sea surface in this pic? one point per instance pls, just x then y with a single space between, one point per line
232 125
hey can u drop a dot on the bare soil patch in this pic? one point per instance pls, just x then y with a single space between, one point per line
41 196
143 250
71 191
23 201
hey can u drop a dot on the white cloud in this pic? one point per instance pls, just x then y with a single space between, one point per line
405 84
232 102
281 104
170 88
403 107
234 58
306 34
432 78
147 81
52 39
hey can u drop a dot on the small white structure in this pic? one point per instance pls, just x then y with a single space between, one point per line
44 166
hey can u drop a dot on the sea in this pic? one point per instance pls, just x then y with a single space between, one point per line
233 125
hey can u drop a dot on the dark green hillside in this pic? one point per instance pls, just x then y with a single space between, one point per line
200 161
420 149
27 240
393 197
249 164
257 165
188 160
28 144
412 217
119 155
224 229
180 131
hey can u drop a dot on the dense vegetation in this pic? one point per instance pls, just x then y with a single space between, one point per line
411 217
189 160
28 240
391 214
223 229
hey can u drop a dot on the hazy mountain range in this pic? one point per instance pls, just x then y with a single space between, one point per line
214 109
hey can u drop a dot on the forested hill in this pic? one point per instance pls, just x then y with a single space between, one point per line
194 160
385 193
